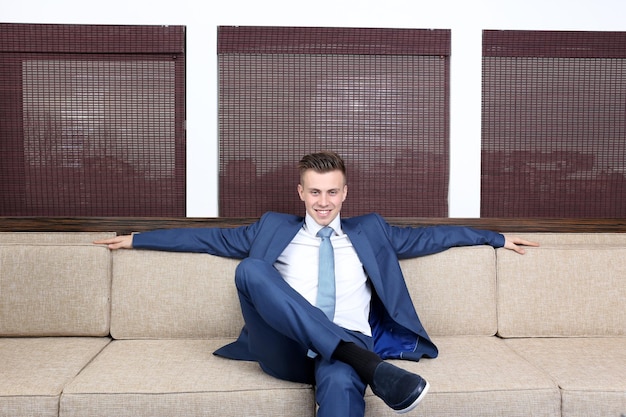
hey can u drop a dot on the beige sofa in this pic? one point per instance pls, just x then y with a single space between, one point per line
90 332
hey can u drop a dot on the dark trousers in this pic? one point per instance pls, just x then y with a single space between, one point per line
282 327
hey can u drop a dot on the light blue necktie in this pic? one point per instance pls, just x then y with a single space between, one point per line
326 276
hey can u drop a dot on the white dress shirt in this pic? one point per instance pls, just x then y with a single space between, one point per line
298 265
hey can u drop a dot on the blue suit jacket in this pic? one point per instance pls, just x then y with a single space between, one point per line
396 328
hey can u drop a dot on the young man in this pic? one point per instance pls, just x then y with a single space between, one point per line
341 345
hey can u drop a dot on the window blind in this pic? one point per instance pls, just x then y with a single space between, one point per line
554 124
378 97
92 120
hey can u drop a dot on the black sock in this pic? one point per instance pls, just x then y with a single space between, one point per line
362 360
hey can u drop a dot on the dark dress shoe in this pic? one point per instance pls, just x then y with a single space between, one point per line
399 389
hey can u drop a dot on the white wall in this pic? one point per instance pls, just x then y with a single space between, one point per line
466 19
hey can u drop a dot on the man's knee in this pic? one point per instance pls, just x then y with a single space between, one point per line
250 271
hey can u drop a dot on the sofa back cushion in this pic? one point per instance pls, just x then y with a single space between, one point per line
561 291
577 239
454 292
173 295
54 238
54 290
188 295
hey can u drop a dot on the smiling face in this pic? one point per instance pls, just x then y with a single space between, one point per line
323 194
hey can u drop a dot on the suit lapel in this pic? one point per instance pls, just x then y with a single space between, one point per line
365 252
281 236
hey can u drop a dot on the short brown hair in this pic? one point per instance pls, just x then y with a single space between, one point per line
321 162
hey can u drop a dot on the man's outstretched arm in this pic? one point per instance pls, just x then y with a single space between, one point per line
117 242
515 243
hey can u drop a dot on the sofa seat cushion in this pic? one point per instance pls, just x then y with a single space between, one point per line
591 372
35 371
478 376
179 378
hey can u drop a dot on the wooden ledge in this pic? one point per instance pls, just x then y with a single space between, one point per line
125 225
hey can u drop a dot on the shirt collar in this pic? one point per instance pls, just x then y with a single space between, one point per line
312 227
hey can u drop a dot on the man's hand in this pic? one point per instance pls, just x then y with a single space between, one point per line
117 242
515 243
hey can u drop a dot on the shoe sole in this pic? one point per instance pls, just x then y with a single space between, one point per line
416 402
